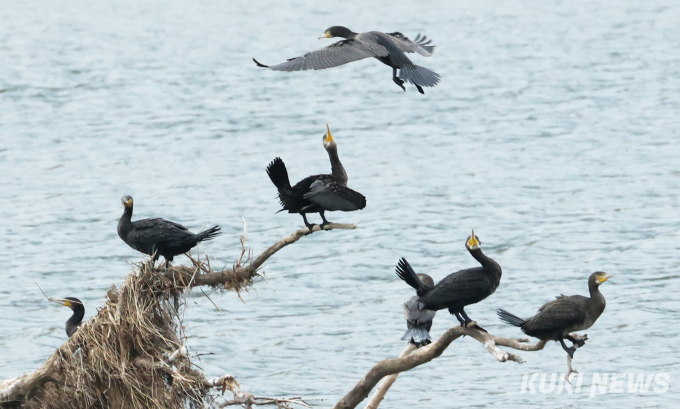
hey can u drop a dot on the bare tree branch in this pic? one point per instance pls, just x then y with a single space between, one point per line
409 361
387 381
241 276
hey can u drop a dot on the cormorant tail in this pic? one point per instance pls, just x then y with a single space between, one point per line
278 174
417 75
209 234
406 273
418 334
510 318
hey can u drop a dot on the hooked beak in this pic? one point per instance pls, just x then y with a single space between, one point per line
324 36
604 278
65 303
329 136
472 241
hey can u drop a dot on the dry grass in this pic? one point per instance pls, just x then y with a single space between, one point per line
118 359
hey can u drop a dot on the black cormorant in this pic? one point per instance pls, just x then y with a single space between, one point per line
387 48
159 237
318 193
418 318
557 319
78 313
460 289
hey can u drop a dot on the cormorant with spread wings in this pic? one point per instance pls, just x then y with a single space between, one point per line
387 48
318 193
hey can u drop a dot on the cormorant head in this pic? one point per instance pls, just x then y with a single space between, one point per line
70 302
328 140
338 31
599 277
127 201
473 242
426 279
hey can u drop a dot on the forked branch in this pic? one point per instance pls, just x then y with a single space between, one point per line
409 361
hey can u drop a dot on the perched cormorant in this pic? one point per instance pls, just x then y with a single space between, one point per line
460 289
387 48
78 313
318 193
418 318
566 314
159 237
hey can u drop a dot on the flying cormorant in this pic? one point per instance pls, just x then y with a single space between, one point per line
159 237
78 313
418 318
564 315
387 48
460 289
318 193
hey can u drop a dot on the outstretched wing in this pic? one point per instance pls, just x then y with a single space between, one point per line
334 55
326 193
419 45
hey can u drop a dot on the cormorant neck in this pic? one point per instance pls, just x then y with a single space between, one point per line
78 314
125 222
595 293
485 261
345 32
75 320
337 170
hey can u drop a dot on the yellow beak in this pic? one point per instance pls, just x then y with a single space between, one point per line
329 136
605 278
324 36
472 241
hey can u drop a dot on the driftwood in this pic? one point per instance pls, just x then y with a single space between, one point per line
409 360
130 354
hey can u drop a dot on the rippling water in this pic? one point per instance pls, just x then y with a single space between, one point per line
554 134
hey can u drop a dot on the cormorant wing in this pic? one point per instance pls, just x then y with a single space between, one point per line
334 55
328 194
151 231
418 45
459 286
560 313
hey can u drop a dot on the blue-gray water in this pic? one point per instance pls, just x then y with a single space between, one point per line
554 134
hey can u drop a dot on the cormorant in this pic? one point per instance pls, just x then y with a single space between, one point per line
564 315
418 318
159 237
387 48
318 193
460 289
78 313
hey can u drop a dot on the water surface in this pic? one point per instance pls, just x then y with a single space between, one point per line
554 134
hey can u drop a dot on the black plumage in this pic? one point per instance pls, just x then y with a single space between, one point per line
78 313
387 48
159 237
566 314
460 289
318 193
418 318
